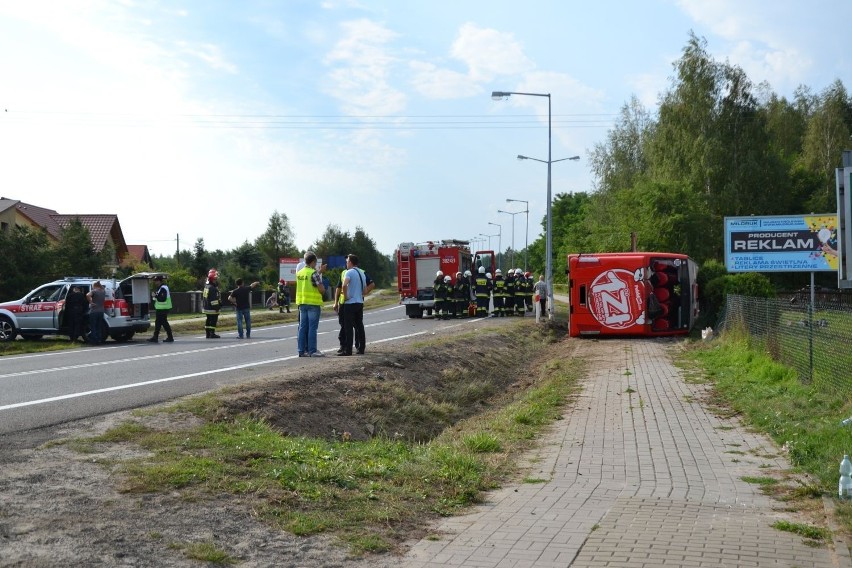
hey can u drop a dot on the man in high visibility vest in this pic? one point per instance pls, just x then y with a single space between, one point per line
162 304
309 294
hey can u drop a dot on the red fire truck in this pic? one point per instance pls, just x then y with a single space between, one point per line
417 266
632 293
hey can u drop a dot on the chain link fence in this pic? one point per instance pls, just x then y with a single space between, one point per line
815 340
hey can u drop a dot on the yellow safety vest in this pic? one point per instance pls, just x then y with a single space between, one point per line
306 292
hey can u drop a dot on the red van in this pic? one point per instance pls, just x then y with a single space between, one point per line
632 293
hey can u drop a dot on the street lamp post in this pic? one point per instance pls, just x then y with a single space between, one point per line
527 238
499 241
511 258
548 261
489 239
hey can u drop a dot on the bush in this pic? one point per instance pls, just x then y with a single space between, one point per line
751 284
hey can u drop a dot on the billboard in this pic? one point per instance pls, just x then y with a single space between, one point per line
287 268
781 243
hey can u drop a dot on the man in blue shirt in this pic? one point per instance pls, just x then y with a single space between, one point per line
356 285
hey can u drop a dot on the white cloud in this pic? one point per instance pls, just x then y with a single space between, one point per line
489 53
779 43
209 54
361 67
436 83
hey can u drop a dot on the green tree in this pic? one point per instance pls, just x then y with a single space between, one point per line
75 255
619 161
200 261
334 241
827 135
276 242
26 261
370 259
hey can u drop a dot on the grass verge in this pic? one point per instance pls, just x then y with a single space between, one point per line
371 493
802 419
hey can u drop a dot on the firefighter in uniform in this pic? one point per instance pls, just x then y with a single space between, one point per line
509 302
499 287
520 287
437 291
212 303
482 289
283 297
447 292
461 296
528 291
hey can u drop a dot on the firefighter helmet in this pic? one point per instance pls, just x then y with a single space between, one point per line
212 274
482 270
439 274
488 275
467 273
282 281
518 272
447 279
498 272
458 274
528 274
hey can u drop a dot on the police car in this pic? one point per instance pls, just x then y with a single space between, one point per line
41 312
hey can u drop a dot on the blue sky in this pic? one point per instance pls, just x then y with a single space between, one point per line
201 118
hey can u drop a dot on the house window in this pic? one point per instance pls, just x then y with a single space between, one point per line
4 227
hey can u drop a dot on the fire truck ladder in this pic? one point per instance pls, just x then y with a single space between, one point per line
405 269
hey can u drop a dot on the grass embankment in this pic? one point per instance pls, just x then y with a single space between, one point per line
451 418
802 419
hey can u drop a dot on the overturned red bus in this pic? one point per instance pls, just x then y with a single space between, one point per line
632 293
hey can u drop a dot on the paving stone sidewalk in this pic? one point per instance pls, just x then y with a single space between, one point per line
639 474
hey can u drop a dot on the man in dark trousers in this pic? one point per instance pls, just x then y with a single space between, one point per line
96 298
211 304
162 304
75 310
356 284
241 296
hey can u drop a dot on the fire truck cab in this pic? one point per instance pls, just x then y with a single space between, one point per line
632 293
418 264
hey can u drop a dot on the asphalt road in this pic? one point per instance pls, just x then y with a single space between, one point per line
46 389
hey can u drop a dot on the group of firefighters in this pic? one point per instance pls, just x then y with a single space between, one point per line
512 293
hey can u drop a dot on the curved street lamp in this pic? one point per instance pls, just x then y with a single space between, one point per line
499 240
527 238
511 258
548 260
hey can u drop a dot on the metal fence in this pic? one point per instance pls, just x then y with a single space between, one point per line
815 340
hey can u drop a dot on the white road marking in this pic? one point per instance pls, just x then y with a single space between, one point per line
178 377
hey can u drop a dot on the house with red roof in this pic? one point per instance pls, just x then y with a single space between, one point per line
103 229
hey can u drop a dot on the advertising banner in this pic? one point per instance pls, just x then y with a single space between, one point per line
287 268
781 243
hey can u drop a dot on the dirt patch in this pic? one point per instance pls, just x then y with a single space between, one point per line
61 506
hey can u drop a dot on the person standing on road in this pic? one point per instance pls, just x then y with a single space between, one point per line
499 288
211 304
461 295
96 298
241 296
309 293
75 311
356 284
528 290
339 300
162 305
541 292
482 288
283 297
